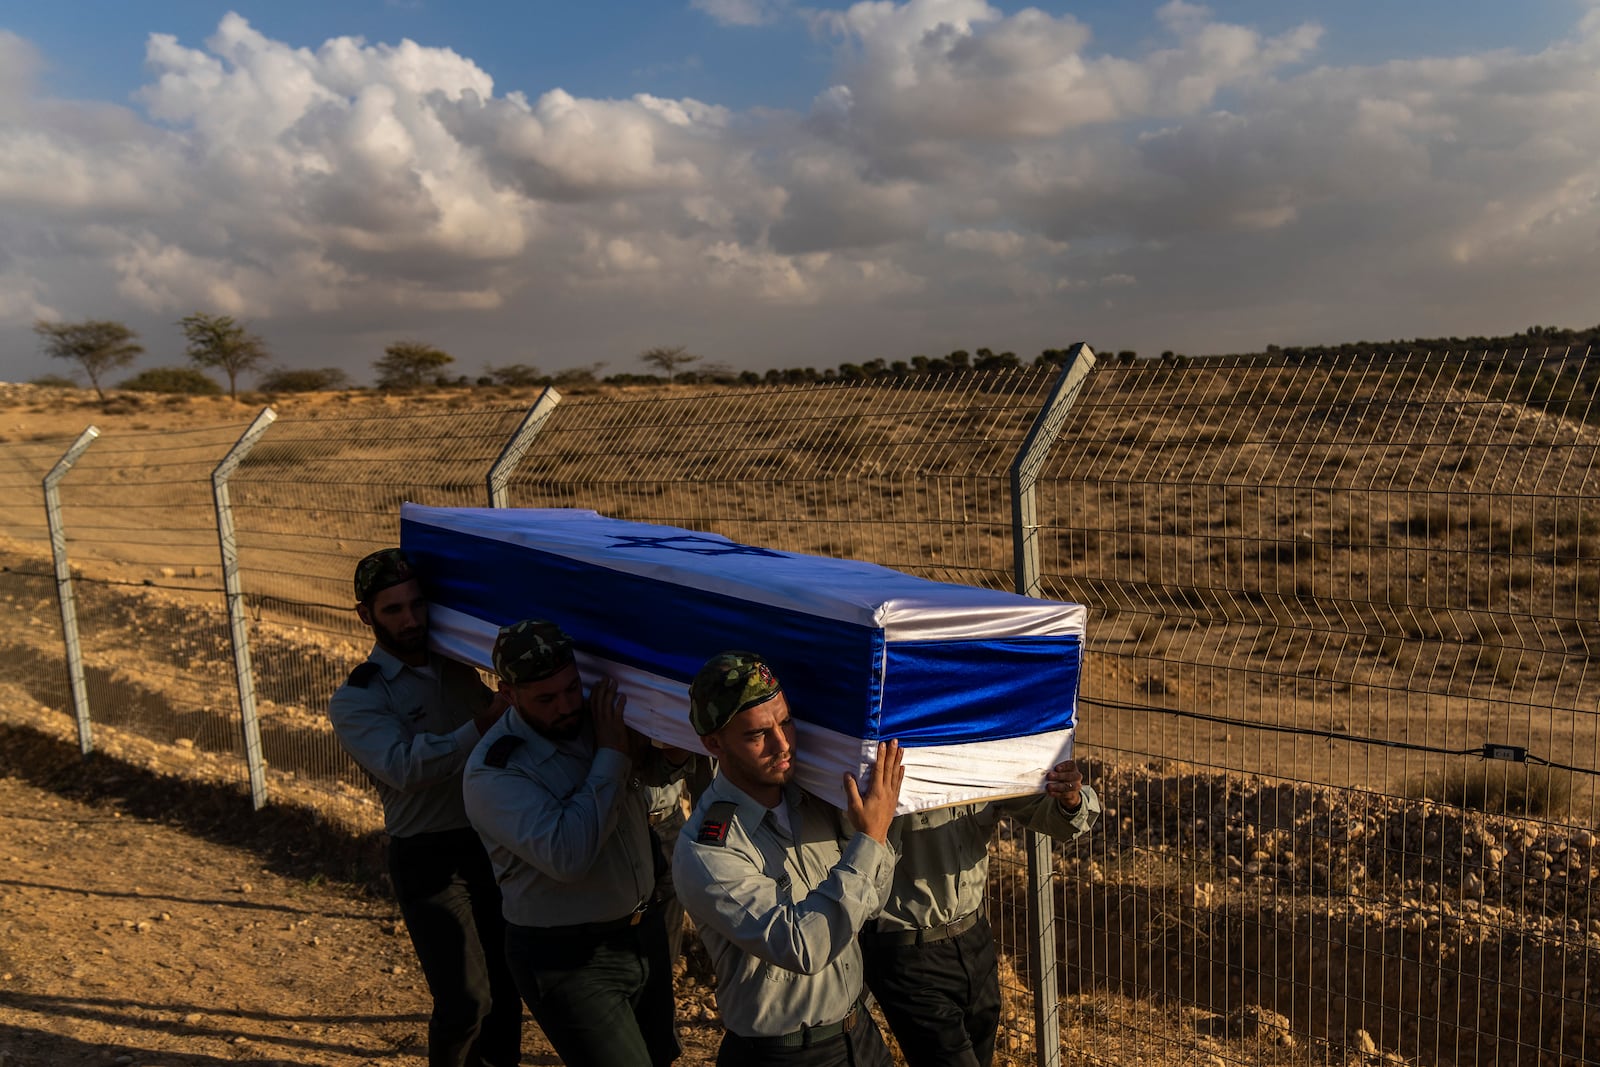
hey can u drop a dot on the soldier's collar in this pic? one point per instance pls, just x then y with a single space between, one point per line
388 662
541 746
752 811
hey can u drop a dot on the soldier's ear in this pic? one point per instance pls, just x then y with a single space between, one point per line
365 613
712 743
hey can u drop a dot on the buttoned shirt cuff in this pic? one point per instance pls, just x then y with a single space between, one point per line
1088 811
866 853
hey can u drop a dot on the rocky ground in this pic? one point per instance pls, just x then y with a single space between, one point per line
155 920
144 920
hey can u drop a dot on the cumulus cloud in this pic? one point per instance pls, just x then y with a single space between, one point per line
967 176
19 65
961 70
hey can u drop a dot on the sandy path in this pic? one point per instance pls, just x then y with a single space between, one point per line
142 922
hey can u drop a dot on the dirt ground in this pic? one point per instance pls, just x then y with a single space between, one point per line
144 921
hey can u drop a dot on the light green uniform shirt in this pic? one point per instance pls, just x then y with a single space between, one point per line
411 730
565 825
943 870
778 913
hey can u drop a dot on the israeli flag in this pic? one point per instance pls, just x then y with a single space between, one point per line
980 687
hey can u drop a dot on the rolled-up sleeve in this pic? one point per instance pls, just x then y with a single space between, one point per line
377 741
1047 816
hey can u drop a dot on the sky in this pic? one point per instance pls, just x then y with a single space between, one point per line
774 184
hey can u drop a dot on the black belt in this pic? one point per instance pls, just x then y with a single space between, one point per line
608 926
807 1036
926 936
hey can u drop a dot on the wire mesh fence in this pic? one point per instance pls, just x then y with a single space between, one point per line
314 496
141 533
909 473
1318 591
33 677
1321 592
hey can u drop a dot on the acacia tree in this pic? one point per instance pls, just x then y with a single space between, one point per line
218 341
408 364
513 374
96 345
668 360
286 380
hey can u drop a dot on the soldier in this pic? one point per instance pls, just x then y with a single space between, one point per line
667 819
409 718
778 886
556 790
665 804
930 956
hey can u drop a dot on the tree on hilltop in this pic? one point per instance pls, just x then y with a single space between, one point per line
409 364
513 374
179 381
308 380
96 345
218 341
668 360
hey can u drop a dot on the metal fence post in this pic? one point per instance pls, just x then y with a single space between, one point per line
69 611
1025 532
506 464
238 625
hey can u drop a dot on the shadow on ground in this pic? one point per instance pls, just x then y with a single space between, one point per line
290 841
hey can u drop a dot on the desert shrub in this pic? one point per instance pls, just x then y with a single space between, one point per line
304 380
1497 787
54 381
1077 545
1565 524
184 380
1584 547
512 374
1434 521
1518 538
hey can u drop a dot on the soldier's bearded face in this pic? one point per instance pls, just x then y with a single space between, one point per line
554 706
757 746
398 616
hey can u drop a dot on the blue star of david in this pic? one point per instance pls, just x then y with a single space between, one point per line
710 546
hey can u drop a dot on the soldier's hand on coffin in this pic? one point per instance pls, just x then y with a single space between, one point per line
1065 782
874 812
491 714
605 706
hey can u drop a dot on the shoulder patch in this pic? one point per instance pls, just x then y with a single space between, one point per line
714 827
501 750
363 675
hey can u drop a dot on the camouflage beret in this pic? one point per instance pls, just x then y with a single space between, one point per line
379 571
531 651
730 682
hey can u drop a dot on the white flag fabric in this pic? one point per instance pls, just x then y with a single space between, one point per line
979 686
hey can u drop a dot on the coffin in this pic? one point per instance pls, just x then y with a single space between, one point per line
979 686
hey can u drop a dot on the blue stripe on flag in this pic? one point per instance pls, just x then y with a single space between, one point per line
835 674
657 626
944 692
